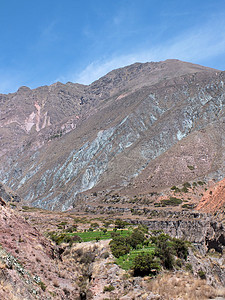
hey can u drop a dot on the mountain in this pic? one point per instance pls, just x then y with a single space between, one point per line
139 129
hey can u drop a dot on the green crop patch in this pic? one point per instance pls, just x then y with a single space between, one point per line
126 261
100 235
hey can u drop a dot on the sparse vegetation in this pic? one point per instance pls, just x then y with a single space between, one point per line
175 189
172 201
108 288
201 274
189 205
201 183
191 168
42 285
147 256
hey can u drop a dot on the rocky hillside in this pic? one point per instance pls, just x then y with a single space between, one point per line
144 127
29 264
213 199
32 266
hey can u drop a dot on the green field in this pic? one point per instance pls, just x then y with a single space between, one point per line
93 235
126 261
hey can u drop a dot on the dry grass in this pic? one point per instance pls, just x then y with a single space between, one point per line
183 286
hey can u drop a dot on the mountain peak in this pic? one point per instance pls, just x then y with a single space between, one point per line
132 126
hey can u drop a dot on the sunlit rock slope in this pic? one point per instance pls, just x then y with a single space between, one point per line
145 126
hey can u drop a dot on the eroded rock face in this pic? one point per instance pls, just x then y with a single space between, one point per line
29 263
143 124
202 231
8 195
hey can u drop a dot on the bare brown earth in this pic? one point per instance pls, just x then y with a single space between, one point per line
213 199
30 265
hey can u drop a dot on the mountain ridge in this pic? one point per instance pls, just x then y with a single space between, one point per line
127 113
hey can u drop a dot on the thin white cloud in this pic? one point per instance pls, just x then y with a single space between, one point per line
197 45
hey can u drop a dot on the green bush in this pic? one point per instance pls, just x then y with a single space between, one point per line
175 189
191 168
189 267
172 201
164 250
202 274
167 248
146 264
179 262
119 246
201 182
180 247
137 237
42 285
108 288
120 223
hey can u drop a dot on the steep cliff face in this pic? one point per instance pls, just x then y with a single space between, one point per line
143 124
204 232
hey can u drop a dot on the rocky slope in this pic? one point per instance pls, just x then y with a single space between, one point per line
213 199
148 125
30 265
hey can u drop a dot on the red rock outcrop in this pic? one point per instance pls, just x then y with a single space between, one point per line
214 198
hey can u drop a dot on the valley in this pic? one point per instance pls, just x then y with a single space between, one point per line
115 190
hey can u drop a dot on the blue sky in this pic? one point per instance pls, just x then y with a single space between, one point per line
81 40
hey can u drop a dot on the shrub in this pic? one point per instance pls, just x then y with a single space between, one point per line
189 205
75 239
120 223
201 183
108 288
57 238
137 237
184 189
104 230
72 228
94 225
194 184
145 264
189 267
119 246
42 285
167 248
202 274
179 262
187 185
173 201
191 168
143 228
180 247
175 189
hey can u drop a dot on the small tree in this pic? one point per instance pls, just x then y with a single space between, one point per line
120 223
146 264
137 237
119 246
